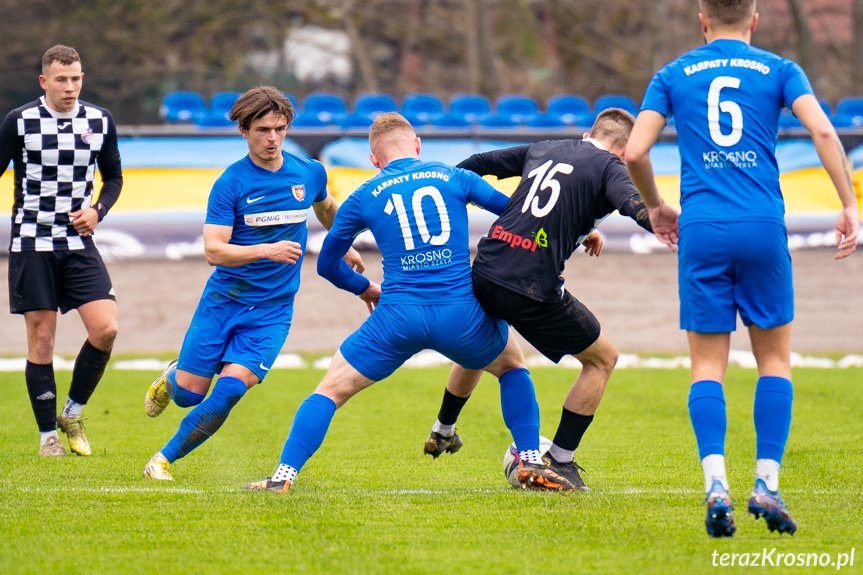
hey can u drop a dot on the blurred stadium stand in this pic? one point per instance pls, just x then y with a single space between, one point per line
615 101
572 109
421 109
518 107
374 103
326 106
182 107
469 106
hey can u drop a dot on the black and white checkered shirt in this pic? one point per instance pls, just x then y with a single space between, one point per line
55 156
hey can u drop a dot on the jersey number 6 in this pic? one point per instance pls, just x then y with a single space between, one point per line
714 106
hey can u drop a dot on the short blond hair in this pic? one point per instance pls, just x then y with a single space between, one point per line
387 123
613 126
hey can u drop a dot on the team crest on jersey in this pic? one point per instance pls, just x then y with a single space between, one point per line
299 192
87 136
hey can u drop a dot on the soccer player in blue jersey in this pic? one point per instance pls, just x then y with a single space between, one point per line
417 212
726 97
255 235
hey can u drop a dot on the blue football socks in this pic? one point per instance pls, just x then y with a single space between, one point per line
520 409
772 414
203 421
181 397
707 413
308 430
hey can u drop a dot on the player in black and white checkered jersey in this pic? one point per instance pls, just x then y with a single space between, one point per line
56 143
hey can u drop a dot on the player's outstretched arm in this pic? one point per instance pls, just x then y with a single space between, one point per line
220 252
663 218
332 267
808 110
326 211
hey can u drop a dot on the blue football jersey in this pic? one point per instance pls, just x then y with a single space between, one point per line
726 97
264 207
417 212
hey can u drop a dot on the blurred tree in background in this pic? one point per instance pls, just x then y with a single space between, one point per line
134 51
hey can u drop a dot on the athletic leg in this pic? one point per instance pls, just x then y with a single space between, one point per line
443 436
774 396
312 420
39 375
709 355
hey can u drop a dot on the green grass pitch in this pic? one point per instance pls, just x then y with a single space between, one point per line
370 502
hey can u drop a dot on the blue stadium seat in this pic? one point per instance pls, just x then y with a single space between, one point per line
220 108
293 99
327 107
498 122
615 101
372 104
825 105
571 109
182 107
451 121
519 107
355 121
470 106
420 109
546 121
849 112
310 121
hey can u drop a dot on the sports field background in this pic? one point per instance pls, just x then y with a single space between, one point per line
370 502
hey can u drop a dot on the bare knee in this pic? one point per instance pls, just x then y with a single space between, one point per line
602 356
102 336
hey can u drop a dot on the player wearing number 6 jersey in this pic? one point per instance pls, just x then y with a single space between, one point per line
726 97
567 188
417 212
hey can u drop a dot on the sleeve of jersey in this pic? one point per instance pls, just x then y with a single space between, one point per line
482 193
220 204
505 163
796 83
332 267
110 170
656 95
321 177
624 196
10 143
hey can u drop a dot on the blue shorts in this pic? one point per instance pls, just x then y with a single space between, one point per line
227 331
728 268
395 332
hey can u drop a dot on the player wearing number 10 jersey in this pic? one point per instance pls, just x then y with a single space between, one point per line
417 212
726 97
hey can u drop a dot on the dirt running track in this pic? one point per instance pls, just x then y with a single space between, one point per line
634 297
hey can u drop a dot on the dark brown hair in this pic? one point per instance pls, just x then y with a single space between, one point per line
61 54
728 13
258 102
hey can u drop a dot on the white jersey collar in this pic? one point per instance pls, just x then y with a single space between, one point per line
596 143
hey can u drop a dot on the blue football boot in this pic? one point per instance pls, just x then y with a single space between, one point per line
768 504
719 520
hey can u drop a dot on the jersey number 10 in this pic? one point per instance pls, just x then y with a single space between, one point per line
416 209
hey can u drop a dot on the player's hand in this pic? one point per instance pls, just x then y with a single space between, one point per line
353 259
284 252
593 243
371 296
84 221
847 227
663 219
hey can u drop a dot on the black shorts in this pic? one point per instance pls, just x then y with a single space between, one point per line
554 329
61 280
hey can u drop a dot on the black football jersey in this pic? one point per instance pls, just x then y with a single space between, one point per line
567 188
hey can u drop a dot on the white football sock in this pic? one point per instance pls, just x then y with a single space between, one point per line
560 454
530 456
44 435
768 470
714 468
72 409
445 430
284 473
